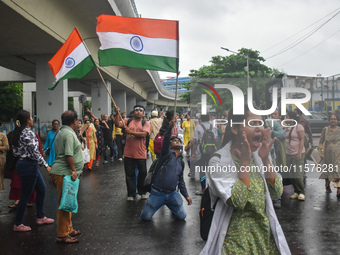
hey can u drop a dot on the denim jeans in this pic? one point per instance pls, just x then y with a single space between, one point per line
157 199
30 179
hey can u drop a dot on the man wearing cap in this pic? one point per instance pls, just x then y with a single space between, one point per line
155 126
166 180
135 150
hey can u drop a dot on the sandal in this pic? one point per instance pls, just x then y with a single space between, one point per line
44 220
199 193
29 204
67 239
75 233
13 206
21 228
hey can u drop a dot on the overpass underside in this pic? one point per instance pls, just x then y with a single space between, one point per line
33 31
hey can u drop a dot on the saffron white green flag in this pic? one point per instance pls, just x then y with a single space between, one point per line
72 60
139 43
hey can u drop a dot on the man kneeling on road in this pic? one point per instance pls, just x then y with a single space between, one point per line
163 189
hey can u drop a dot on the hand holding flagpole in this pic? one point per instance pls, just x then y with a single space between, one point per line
107 89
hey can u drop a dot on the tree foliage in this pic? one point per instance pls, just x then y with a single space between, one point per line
231 69
233 66
11 98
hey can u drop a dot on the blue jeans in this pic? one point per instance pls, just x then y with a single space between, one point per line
30 179
157 199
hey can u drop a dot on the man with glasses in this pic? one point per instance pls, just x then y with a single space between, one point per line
135 150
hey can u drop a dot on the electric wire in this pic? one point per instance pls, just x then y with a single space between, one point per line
303 38
299 31
309 49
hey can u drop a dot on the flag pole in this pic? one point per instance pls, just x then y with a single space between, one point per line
177 73
98 71
107 89
176 95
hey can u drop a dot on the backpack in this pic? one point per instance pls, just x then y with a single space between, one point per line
276 151
147 136
206 213
208 145
306 144
152 173
158 143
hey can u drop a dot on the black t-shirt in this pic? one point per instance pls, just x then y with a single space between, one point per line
107 132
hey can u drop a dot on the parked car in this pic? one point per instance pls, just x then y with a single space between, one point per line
317 121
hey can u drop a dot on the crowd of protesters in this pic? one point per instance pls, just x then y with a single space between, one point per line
267 142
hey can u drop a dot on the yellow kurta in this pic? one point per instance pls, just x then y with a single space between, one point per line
189 127
3 148
91 140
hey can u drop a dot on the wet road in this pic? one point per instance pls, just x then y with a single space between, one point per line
111 225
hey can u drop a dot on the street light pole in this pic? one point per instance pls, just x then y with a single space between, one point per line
244 55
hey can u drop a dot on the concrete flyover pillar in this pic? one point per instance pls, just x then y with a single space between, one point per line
100 99
50 104
142 102
28 90
77 106
130 103
119 96
150 107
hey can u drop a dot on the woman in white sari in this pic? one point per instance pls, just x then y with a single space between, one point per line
244 221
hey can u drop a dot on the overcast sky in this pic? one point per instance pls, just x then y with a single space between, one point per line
206 26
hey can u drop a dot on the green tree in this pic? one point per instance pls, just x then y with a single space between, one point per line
86 105
10 100
232 68
70 104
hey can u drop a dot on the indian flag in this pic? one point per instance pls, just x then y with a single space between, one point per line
72 60
139 43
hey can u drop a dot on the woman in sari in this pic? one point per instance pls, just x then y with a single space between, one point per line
3 148
51 136
329 145
91 142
